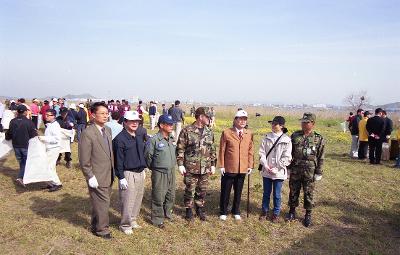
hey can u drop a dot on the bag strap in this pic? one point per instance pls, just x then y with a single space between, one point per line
273 146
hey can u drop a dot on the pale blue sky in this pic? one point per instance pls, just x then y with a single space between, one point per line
252 51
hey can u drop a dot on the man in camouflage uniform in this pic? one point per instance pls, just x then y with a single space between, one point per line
306 167
196 158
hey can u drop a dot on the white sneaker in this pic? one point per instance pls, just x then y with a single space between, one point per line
237 217
127 231
135 225
222 217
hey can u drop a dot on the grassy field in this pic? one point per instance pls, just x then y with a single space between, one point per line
357 210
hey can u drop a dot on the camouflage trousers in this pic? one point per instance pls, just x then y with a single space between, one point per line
195 190
308 190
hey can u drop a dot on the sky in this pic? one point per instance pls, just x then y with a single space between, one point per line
205 50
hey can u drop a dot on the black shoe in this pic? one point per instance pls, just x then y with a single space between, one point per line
106 236
263 215
68 164
307 220
55 188
291 216
201 213
189 214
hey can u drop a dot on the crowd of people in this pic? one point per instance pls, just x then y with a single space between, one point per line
371 136
114 144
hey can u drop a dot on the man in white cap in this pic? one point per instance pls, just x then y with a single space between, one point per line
236 161
128 147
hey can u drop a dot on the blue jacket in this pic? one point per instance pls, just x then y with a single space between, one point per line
128 153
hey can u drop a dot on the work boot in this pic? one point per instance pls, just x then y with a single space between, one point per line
307 219
189 214
201 213
68 164
291 216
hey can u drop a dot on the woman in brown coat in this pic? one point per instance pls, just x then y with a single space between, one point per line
236 161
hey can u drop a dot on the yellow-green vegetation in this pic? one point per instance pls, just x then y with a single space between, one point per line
357 209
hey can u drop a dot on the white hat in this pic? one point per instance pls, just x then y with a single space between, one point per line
12 101
241 113
131 115
81 105
55 99
72 106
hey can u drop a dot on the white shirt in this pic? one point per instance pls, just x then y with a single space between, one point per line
1 110
238 131
52 135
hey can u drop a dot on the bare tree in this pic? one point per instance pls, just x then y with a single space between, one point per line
357 100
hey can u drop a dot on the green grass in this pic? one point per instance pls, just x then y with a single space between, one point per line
357 211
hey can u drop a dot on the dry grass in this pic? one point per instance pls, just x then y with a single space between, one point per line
357 212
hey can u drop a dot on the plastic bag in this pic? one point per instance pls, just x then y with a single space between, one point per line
5 146
37 167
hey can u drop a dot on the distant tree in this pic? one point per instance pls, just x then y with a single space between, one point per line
357 100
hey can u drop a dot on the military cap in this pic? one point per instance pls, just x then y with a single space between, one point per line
204 111
308 117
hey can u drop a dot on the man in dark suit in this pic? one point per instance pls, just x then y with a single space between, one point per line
97 163
375 128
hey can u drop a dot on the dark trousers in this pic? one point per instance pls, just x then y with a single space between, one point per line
21 154
362 149
375 150
67 157
100 199
35 120
227 181
79 129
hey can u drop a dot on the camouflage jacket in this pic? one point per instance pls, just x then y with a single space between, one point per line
308 155
196 151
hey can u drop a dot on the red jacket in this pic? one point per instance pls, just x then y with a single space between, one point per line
45 107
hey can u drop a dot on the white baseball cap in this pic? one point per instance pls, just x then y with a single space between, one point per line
72 106
55 99
131 115
241 113
81 105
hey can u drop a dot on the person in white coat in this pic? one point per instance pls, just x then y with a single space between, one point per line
52 139
275 155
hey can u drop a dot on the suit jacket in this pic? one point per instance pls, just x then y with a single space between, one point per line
94 158
236 155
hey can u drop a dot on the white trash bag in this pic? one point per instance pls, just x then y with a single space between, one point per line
37 167
5 146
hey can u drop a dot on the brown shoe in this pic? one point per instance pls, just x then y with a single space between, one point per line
263 215
275 218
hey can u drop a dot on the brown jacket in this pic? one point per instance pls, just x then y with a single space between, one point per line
236 155
94 158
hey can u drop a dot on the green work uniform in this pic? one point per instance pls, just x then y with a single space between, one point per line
308 159
160 158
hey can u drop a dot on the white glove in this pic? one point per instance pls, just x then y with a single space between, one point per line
123 184
182 170
317 177
93 182
249 170
212 169
222 171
